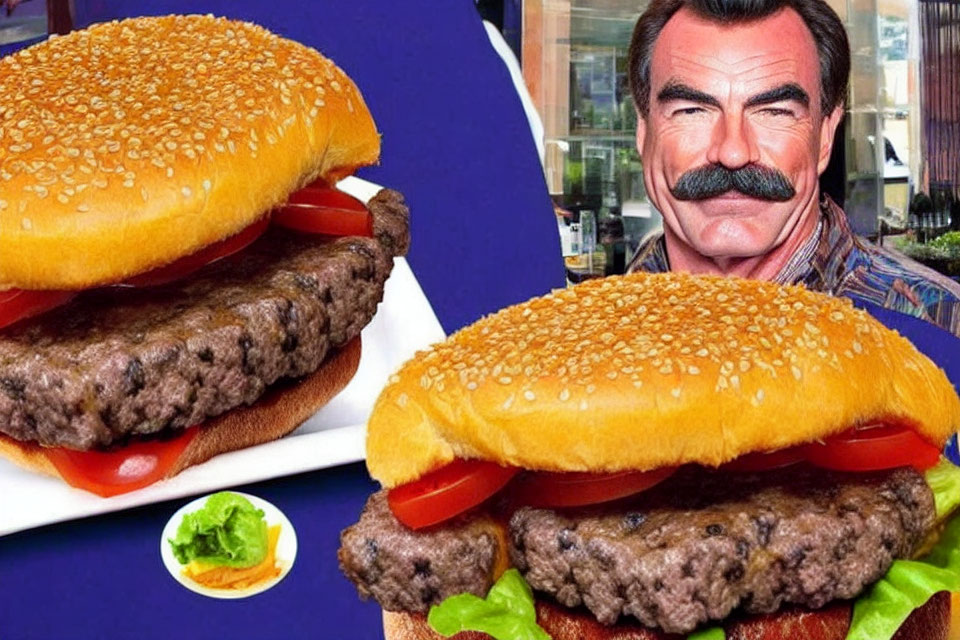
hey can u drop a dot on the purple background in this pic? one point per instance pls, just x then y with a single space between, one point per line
455 142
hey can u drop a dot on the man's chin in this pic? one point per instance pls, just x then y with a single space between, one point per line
729 238
723 254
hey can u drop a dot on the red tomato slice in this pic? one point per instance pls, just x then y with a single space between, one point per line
17 304
761 461
195 261
132 466
448 491
872 448
547 489
318 208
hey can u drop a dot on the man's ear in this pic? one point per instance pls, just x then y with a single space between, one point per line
828 128
641 132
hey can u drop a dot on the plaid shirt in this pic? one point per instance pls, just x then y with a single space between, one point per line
836 261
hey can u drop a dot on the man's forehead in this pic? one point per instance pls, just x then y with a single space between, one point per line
777 47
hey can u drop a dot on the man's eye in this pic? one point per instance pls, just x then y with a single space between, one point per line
774 111
688 111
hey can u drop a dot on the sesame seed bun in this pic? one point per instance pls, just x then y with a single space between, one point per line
281 410
130 144
646 371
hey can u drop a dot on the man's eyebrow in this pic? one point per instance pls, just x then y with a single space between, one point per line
674 90
789 91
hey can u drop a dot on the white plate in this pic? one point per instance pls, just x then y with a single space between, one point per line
404 323
286 551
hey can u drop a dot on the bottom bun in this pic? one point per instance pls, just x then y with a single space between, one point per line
284 407
929 622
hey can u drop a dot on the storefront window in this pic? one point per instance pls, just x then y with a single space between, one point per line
575 63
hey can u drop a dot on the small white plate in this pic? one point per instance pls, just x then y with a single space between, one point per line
286 551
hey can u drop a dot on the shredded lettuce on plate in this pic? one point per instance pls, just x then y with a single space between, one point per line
228 531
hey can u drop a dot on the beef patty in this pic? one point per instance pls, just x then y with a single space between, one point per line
703 543
687 552
406 570
117 362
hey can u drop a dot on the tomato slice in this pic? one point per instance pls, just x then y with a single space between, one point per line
873 448
129 467
18 304
765 461
548 489
447 491
195 261
319 208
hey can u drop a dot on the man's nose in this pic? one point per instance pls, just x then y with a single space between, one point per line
732 145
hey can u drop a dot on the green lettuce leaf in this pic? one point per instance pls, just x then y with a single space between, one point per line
944 479
507 613
226 531
713 633
907 586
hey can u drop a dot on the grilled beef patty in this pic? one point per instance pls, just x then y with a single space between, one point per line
117 362
688 551
704 543
406 570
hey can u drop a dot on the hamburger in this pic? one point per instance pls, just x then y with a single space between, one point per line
649 457
179 276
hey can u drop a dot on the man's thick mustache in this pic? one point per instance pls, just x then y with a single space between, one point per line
752 180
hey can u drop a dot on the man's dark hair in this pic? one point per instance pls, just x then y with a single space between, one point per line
828 33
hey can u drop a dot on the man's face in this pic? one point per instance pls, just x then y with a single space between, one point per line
734 97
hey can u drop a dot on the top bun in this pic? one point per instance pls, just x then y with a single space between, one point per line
646 371
130 144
